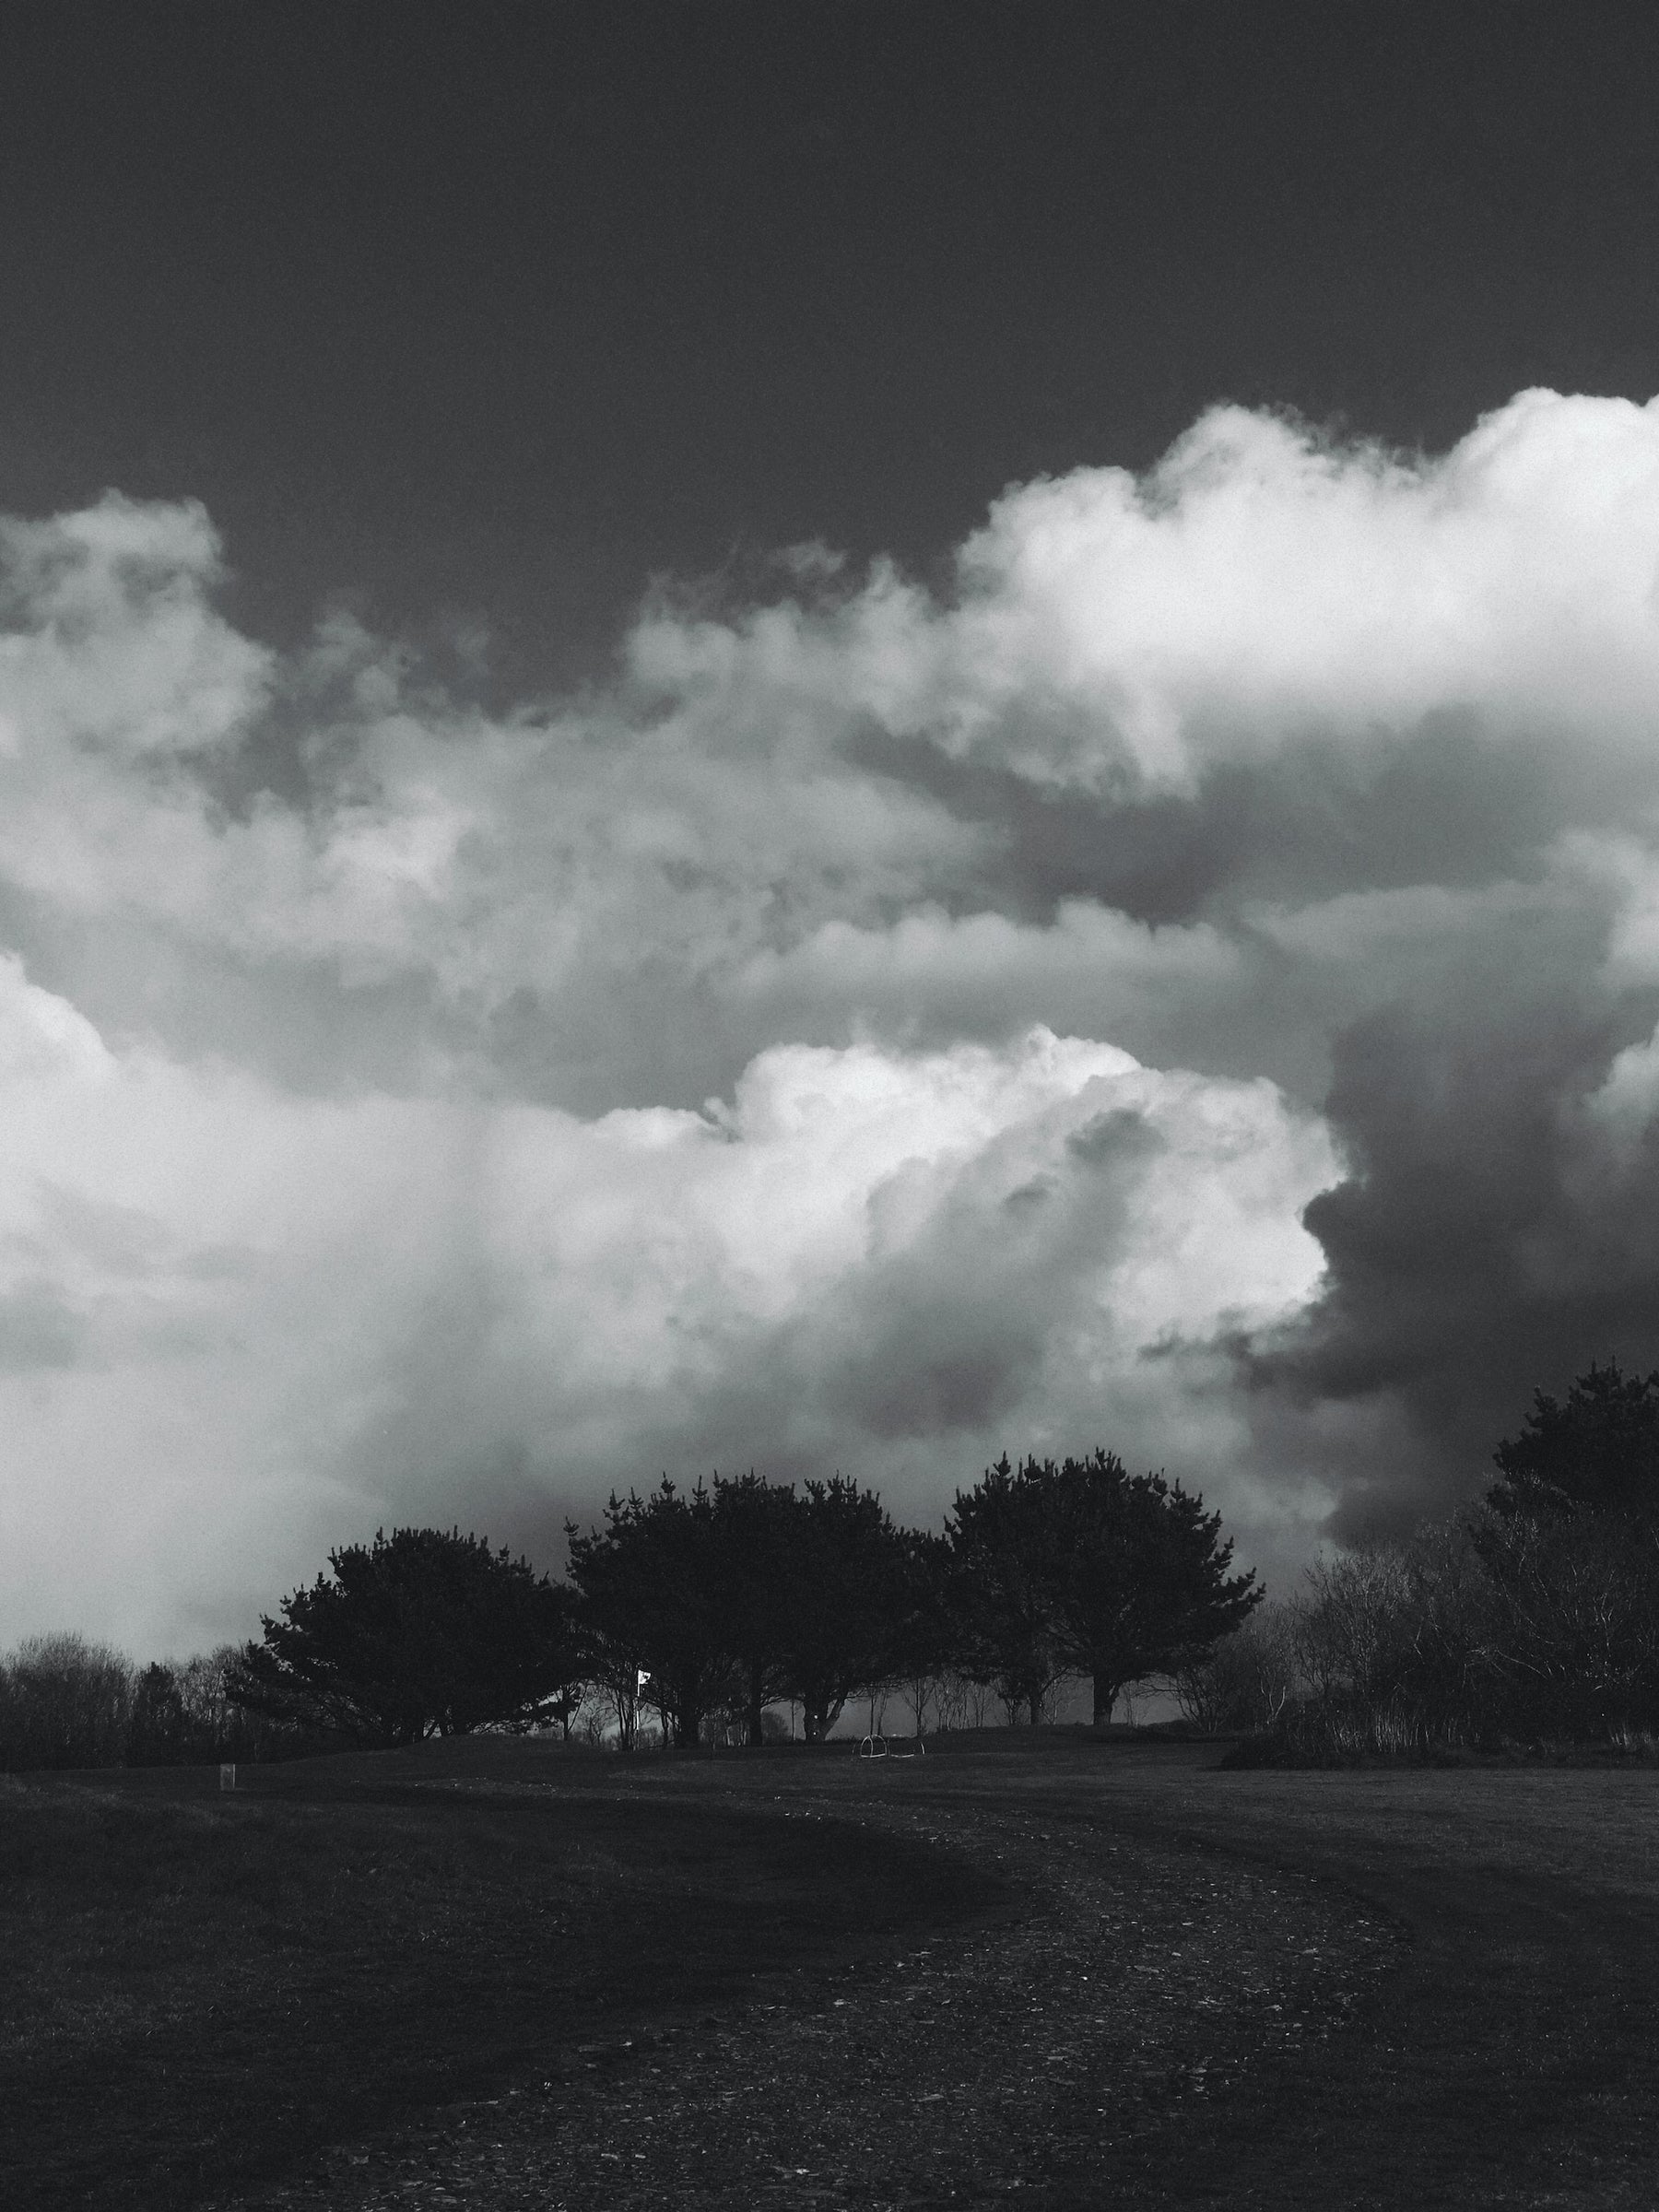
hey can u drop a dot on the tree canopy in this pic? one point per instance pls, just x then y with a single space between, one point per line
648 1583
1144 1587
847 1594
757 1539
738 1592
419 1633
1006 1567
1081 1568
1596 1451
711 1603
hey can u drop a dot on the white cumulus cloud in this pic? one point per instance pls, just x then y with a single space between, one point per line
868 1029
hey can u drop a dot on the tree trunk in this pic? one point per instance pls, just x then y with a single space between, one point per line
1036 1709
1105 1697
757 1733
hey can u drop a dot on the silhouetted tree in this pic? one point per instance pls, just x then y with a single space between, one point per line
650 1589
159 1729
420 1633
757 1553
1570 1547
1142 1586
1081 1568
563 1708
1598 1452
847 1586
1005 1538
925 1632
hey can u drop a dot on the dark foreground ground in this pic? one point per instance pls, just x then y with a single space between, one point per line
1062 1974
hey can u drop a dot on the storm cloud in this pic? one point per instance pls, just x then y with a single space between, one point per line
1189 982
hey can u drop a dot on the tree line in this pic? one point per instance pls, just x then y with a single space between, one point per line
743 1593
684 1610
68 1701
1532 1619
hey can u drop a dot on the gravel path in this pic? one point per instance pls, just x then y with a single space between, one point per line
1132 1989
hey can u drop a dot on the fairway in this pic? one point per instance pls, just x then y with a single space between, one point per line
1056 1971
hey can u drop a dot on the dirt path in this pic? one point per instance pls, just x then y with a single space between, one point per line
1307 1990
1137 1986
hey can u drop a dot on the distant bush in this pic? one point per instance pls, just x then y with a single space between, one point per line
1392 1652
1242 1684
184 1713
1308 1733
1483 1633
65 1702
1574 1605
1410 1630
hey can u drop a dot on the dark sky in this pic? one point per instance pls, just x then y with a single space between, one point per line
490 312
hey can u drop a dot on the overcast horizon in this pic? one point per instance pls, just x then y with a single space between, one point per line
560 919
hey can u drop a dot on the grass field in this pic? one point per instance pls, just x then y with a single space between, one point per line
1057 1972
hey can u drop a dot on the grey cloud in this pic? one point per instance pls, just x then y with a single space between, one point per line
40 1330
1469 1260
1438 802
1319 781
124 1242
1120 1135
943 1366
952 1336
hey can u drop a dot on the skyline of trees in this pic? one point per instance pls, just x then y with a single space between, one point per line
1532 1616
708 1608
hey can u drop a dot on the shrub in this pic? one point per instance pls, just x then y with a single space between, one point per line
1242 1684
1576 1603
65 1702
